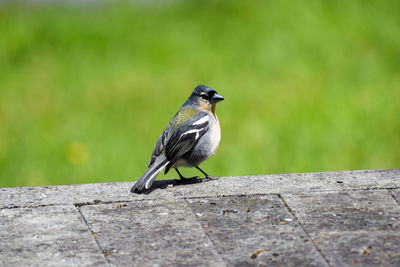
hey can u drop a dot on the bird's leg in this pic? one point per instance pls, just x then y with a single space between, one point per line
184 179
208 177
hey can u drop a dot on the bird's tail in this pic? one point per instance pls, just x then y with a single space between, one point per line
148 177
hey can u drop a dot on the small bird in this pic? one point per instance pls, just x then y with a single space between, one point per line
191 137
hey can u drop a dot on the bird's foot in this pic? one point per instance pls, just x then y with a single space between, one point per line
209 178
183 180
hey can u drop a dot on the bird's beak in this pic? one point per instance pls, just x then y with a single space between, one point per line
216 98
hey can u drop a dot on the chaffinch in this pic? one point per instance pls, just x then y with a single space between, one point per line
191 137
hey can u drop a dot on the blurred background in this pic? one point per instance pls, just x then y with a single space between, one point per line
86 89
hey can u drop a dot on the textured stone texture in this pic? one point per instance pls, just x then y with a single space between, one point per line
151 233
254 230
396 195
46 236
361 248
312 219
300 182
71 194
351 227
224 186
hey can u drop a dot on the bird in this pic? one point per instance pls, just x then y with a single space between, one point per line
191 137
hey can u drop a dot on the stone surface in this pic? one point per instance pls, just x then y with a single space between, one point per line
311 219
300 182
255 230
46 236
361 248
224 186
396 195
354 226
151 233
72 194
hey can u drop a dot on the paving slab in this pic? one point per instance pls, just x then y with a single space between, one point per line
224 186
151 233
351 227
297 182
360 248
72 194
396 194
255 230
46 236
312 219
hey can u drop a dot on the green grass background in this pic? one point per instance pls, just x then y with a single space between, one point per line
86 90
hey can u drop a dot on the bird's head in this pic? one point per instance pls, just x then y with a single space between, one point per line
205 98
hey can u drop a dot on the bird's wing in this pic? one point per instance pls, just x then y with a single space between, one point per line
160 145
177 124
186 136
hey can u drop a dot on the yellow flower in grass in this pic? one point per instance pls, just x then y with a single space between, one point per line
77 153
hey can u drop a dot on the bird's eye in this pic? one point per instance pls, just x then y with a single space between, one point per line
204 96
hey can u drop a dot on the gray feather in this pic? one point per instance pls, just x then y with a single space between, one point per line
148 177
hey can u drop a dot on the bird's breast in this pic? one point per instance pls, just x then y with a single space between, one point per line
215 135
205 148
208 144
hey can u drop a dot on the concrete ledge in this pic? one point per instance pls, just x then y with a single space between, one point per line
313 219
224 186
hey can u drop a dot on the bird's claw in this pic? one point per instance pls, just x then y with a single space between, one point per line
209 178
188 180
